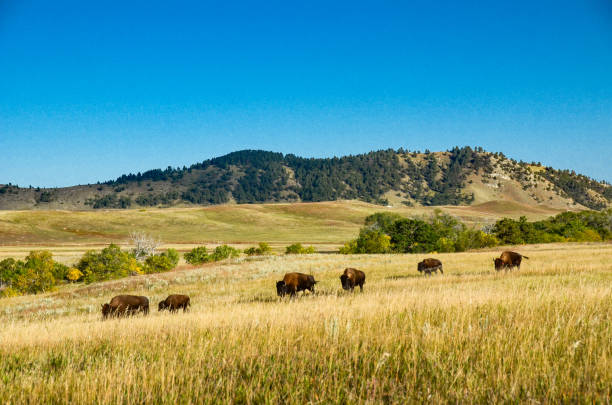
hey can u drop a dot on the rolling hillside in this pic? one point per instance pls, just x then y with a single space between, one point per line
461 176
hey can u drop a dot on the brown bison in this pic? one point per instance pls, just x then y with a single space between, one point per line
352 277
124 305
294 282
175 302
509 259
430 265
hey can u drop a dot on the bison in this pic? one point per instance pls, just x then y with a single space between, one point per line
352 277
294 282
509 259
430 265
124 305
175 302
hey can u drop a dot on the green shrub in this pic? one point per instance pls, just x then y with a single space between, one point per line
262 249
8 292
223 252
173 255
158 264
197 255
110 263
252 251
298 249
36 274
585 226
369 241
384 232
9 269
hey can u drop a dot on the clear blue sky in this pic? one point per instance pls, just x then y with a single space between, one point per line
92 90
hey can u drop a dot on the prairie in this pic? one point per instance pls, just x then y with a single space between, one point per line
539 334
326 225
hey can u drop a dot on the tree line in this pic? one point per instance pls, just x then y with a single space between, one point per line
440 232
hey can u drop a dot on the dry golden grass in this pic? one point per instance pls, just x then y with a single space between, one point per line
541 334
325 222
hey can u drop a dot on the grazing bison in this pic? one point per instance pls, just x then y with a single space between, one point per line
294 282
509 259
175 302
124 305
352 277
430 265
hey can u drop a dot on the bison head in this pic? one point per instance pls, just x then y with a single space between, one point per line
162 305
281 288
499 264
346 282
106 310
421 267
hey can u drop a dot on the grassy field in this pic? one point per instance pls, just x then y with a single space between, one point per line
541 334
325 225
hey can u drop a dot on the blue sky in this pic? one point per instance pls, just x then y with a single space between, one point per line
92 90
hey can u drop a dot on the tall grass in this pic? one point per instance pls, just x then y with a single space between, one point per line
541 334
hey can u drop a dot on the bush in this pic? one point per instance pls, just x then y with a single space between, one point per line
8 292
110 263
158 264
173 256
298 249
262 249
197 255
74 274
223 252
9 269
369 241
36 274
585 226
384 232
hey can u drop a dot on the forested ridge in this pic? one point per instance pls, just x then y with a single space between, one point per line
255 176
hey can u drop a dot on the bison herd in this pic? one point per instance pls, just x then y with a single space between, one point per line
292 283
125 305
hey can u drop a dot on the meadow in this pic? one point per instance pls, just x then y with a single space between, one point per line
541 334
325 225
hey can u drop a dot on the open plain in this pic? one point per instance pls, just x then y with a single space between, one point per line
541 334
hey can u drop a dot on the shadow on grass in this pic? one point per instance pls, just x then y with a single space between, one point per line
287 298
403 276
257 299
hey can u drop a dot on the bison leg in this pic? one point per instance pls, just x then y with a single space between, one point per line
361 286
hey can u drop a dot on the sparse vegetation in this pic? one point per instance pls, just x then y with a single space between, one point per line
262 249
298 249
199 255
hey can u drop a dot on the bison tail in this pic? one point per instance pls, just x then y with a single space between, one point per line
525 257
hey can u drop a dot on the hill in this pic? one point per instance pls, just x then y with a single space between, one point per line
461 176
